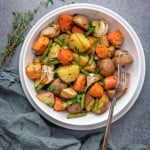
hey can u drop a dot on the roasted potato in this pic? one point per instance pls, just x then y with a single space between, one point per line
123 57
79 42
81 60
106 66
56 86
54 51
46 97
81 21
104 40
75 108
51 31
64 38
111 50
68 93
101 104
90 68
89 102
68 73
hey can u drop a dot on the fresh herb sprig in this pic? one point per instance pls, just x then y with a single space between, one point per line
20 24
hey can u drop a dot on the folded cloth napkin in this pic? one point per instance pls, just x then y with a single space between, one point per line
22 128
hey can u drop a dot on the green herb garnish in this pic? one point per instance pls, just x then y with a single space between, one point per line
77 99
120 55
97 71
52 87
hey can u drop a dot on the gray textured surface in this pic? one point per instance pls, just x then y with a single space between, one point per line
134 127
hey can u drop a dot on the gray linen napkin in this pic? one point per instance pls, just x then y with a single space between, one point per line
22 128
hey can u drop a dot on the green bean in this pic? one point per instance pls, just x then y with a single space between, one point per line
82 100
93 51
48 61
71 116
46 51
39 87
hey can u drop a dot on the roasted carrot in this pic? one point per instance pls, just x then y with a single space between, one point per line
58 104
116 37
40 45
110 82
80 83
76 29
91 40
33 70
65 56
65 22
102 51
96 90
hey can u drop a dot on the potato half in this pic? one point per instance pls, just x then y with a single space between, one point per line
68 73
79 42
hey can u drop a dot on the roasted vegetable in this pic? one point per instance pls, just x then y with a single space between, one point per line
40 44
75 108
62 40
123 57
65 56
81 21
111 50
106 66
104 40
51 31
101 104
81 114
92 78
81 59
56 86
89 102
110 82
90 68
79 42
101 28
68 93
55 49
80 83
46 97
95 42
33 70
116 37
76 29
96 90
65 22
58 104
47 74
102 51
68 73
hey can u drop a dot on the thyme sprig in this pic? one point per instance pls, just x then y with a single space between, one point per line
21 23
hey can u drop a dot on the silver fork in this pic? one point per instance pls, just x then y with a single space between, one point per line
121 84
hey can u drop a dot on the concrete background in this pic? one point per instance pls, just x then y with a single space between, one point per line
134 127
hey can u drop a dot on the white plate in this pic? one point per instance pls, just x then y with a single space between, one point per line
136 69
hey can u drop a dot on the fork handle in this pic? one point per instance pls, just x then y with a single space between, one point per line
108 126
